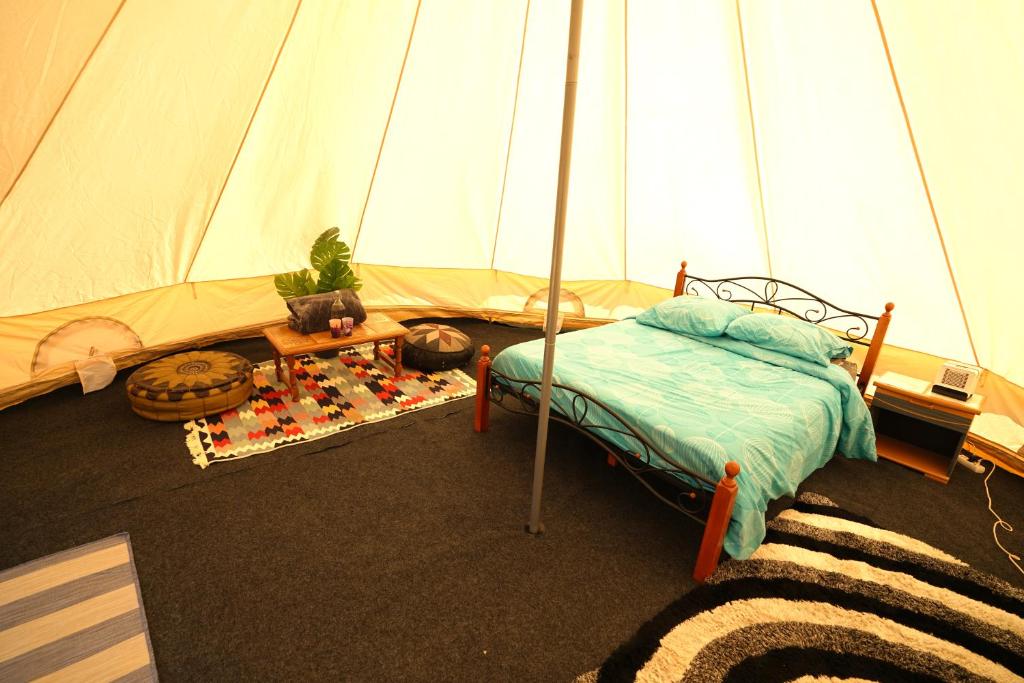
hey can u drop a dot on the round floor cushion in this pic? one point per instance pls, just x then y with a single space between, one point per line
436 347
190 385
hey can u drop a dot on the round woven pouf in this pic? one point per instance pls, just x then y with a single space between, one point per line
189 385
436 347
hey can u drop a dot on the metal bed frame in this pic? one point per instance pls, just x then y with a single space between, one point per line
704 500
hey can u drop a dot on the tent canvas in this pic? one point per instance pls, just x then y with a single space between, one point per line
160 161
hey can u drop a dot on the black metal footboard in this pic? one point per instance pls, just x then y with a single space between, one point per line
690 495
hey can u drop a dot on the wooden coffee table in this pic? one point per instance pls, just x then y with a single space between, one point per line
287 343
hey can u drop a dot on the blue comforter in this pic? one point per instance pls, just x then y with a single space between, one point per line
707 400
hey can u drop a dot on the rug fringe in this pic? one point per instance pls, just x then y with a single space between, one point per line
194 443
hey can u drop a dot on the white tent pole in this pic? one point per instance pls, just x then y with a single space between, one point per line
555 281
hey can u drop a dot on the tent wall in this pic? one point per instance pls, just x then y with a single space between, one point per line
170 317
961 69
176 317
690 176
313 141
56 40
116 196
843 199
159 160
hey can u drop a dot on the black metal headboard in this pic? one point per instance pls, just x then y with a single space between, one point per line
783 297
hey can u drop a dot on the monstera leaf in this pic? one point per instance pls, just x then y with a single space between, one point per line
336 275
328 248
298 283
330 257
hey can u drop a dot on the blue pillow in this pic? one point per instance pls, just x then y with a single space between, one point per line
692 315
797 338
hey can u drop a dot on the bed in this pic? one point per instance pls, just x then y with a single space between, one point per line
713 426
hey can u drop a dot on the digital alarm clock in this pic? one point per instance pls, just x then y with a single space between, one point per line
956 380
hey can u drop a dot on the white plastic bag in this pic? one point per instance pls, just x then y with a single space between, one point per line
95 372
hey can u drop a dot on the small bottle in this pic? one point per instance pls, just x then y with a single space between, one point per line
337 312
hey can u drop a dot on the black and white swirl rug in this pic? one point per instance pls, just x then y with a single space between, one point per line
830 596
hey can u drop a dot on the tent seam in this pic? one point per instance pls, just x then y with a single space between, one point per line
753 138
924 179
387 126
241 143
511 131
63 101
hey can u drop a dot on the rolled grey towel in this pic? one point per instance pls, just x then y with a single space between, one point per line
312 313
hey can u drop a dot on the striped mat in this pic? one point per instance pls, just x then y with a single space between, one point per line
76 615
830 596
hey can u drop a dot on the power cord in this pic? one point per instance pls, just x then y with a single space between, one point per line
1000 523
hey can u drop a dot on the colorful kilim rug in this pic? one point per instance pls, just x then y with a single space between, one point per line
334 394
830 596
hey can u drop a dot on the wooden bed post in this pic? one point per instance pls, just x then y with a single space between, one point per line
718 522
481 418
680 280
877 339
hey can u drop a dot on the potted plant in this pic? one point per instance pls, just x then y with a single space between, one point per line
310 292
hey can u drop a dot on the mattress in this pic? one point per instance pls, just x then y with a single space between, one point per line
706 400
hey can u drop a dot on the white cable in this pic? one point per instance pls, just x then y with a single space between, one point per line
1000 523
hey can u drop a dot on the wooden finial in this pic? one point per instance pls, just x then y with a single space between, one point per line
732 469
889 306
680 279
485 351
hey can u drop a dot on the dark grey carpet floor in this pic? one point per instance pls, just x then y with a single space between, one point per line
396 551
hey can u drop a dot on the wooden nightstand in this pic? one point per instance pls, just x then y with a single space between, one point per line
918 428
